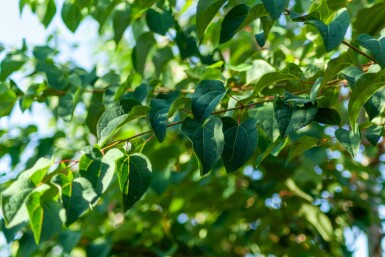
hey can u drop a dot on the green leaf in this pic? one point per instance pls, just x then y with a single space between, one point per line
71 15
291 118
275 7
266 24
121 19
68 239
319 220
290 72
333 34
375 46
159 22
366 86
336 65
328 116
240 142
134 176
140 52
300 146
232 21
99 169
13 199
177 104
207 95
94 111
265 119
160 59
373 134
46 12
375 104
145 4
268 150
238 17
207 140
352 74
315 89
116 116
206 11
44 214
349 140
8 100
11 63
374 17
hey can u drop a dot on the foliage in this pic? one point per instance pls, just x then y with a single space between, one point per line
274 104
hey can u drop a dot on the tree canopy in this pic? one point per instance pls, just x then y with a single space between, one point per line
212 128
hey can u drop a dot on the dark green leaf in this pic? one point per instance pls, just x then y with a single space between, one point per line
116 116
207 95
290 118
266 24
275 7
265 119
327 116
375 46
349 140
94 112
134 175
161 57
333 34
71 15
206 11
121 19
69 239
232 21
207 140
373 134
140 52
159 22
374 17
240 142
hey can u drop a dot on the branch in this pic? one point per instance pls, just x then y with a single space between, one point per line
358 50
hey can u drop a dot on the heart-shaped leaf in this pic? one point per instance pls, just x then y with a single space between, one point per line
134 176
240 142
375 46
206 10
116 116
373 134
207 95
367 85
327 116
333 34
349 140
290 118
207 140
275 7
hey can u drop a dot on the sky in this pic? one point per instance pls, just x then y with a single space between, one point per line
14 28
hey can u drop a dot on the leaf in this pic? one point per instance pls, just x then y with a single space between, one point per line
68 239
291 118
140 52
207 95
374 17
265 119
94 111
375 104
349 140
300 146
333 34
48 13
134 176
275 7
366 86
232 21
99 169
8 100
121 19
206 11
336 65
160 59
290 72
177 104
240 142
266 24
207 140
352 74
375 46
319 220
267 151
373 134
13 198
315 89
116 116
159 22
238 17
145 4
327 116
44 215
71 15
11 63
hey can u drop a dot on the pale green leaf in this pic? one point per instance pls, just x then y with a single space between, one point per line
300 146
319 220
